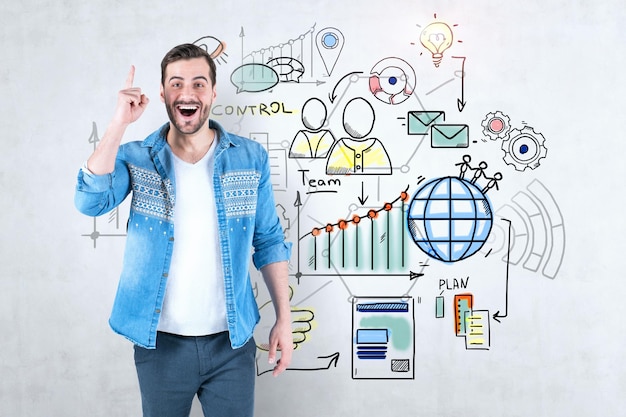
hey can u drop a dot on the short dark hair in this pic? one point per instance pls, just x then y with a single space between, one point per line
187 51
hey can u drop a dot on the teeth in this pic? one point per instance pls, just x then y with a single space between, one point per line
188 107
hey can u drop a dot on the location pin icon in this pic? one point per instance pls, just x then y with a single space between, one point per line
329 43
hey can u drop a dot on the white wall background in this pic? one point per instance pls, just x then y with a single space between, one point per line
554 65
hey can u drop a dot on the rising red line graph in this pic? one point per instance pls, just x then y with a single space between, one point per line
356 222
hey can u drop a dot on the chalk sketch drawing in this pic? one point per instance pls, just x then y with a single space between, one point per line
114 215
303 322
214 47
496 125
471 324
538 238
437 37
392 80
383 338
329 42
523 148
380 247
313 142
358 154
450 218
285 62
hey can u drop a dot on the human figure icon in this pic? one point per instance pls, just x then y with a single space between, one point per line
493 182
465 165
312 142
358 154
479 172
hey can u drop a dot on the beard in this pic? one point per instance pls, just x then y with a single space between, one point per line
183 124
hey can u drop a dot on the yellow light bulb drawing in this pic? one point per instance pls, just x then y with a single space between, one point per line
436 37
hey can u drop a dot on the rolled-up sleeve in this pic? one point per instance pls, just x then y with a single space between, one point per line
269 241
99 194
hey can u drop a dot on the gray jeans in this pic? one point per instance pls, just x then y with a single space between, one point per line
184 366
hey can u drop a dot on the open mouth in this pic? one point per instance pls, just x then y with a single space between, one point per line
187 110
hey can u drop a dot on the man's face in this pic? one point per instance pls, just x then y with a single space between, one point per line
188 94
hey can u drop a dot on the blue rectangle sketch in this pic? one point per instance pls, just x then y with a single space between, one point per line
372 336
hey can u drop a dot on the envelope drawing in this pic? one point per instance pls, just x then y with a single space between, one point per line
449 136
419 122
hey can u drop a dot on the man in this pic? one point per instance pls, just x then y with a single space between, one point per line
201 200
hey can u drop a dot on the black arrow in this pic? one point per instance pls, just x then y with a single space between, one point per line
415 275
412 275
327 362
461 101
498 316
362 199
333 95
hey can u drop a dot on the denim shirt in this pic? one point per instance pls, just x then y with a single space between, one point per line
246 217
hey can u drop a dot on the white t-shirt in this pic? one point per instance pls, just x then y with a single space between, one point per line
194 303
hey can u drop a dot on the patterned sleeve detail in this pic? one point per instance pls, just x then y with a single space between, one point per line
240 190
151 195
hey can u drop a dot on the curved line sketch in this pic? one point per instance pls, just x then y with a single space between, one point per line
288 69
326 362
214 47
254 78
538 238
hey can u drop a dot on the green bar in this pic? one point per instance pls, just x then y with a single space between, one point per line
439 307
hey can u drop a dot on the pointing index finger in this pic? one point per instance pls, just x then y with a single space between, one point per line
130 78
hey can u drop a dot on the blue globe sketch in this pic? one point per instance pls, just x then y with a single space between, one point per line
449 219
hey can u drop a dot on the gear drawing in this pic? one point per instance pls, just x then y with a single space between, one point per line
524 148
496 125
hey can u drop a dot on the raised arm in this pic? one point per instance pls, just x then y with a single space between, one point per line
131 103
